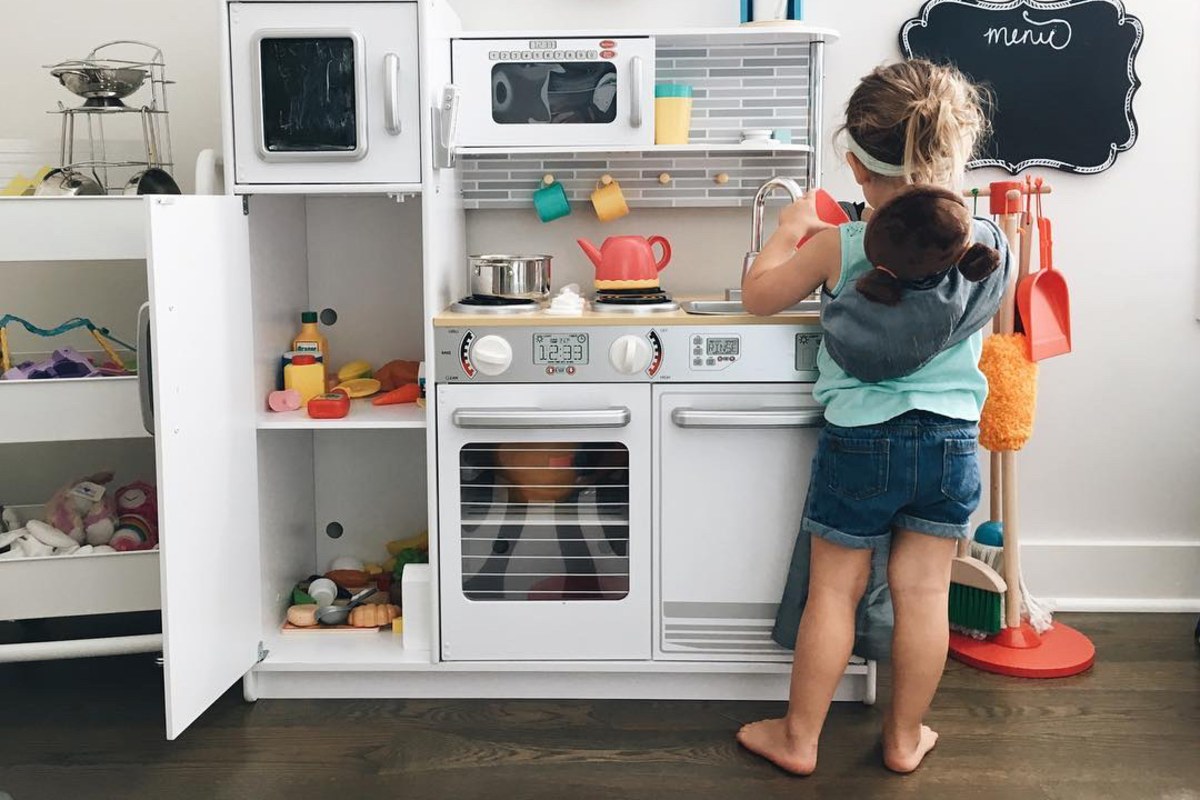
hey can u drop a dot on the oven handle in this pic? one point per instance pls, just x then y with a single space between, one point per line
749 418
532 418
391 93
635 91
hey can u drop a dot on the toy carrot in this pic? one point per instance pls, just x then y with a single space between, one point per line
405 394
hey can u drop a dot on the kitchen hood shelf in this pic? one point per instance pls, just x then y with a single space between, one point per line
787 33
695 149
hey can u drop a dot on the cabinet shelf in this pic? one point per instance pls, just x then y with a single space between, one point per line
103 583
70 409
362 416
694 149
302 651
794 32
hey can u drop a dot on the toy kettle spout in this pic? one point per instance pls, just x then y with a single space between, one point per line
590 251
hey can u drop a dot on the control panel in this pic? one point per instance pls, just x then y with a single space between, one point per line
620 354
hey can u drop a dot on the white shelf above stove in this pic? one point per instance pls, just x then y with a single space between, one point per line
695 148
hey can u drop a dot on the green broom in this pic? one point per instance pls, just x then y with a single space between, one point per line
976 596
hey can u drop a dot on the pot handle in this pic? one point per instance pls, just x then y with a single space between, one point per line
661 264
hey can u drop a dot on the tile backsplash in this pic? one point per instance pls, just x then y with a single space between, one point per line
735 87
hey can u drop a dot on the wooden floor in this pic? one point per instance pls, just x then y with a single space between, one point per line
93 729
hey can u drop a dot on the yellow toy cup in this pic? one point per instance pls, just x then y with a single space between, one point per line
609 200
672 113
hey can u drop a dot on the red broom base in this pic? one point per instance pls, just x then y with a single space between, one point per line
1022 653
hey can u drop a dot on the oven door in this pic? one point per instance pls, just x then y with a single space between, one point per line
325 93
544 545
732 473
555 92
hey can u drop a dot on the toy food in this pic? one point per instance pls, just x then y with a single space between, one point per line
284 400
359 387
538 473
349 579
408 393
395 374
354 370
334 405
373 616
303 616
347 562
420 541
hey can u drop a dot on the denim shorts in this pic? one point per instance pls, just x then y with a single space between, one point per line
919 471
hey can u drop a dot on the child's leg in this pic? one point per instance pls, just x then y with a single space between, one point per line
919 578
837 579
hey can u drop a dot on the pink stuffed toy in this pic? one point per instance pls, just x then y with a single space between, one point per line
137 528
85 510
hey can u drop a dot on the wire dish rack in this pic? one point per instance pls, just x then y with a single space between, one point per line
120 81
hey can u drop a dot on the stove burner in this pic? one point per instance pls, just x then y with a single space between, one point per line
634 301
486 304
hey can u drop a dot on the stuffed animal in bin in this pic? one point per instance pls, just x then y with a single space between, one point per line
137 526
85 510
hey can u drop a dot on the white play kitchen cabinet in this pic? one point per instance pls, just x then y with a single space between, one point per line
340 131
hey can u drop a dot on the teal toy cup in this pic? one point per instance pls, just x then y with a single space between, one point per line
550 201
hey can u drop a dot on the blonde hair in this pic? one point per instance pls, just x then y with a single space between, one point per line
928 117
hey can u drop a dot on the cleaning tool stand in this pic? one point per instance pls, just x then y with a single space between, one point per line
1018 649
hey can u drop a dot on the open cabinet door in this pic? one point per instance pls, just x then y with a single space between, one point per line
205 441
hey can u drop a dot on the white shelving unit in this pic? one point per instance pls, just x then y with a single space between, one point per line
81 409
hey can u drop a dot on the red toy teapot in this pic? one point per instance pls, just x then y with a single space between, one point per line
627 262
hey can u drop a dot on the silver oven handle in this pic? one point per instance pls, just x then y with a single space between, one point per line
391 93
749 418
529 418
145 374
635 91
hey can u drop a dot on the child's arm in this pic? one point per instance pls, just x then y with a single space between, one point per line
782 276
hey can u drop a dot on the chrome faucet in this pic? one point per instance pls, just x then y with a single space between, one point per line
756 234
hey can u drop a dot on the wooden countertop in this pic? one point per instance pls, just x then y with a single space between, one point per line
589 318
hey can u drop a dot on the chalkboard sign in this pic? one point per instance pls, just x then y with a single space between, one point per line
309 95
1062 75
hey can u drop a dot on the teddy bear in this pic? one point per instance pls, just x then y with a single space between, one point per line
85 510
137 525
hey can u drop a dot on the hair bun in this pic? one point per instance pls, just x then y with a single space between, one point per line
880 287
978 262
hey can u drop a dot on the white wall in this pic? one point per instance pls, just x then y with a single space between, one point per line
1109 485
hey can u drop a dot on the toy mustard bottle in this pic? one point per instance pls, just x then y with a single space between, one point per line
310 340
306 375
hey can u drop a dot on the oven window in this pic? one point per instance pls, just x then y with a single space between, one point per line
308 95
545 521
554 93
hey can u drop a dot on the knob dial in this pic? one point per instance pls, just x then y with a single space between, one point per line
630 354
491 355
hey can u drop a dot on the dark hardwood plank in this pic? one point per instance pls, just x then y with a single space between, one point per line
1127 730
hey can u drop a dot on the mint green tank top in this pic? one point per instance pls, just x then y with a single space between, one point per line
950 384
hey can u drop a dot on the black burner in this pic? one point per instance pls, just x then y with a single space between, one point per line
487 301
632 297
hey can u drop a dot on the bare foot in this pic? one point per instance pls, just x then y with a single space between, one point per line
905 756
772 740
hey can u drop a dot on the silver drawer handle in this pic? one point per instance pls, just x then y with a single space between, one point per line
749 418
525 418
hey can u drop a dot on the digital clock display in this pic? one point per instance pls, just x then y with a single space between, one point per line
560 348
722 347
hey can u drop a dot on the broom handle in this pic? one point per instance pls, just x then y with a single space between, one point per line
1008 459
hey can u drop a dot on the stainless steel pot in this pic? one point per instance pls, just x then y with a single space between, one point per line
516 277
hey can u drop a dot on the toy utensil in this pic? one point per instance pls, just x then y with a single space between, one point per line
340 615
1043 300
829 210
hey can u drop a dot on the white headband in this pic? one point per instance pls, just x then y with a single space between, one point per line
872 163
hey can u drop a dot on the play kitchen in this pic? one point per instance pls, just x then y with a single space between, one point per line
581 462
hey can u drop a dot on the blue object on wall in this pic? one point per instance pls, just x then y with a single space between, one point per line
795 9
745 10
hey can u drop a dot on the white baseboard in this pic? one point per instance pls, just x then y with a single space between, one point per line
1151 576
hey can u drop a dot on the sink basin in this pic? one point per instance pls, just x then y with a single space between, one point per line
734 307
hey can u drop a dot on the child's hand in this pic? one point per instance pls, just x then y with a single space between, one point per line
800 218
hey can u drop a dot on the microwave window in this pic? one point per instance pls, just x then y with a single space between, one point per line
554 93
308 95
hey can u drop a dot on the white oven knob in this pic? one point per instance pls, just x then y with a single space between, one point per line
491 355
630 354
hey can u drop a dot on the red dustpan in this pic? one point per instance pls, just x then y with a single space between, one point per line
1043 302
